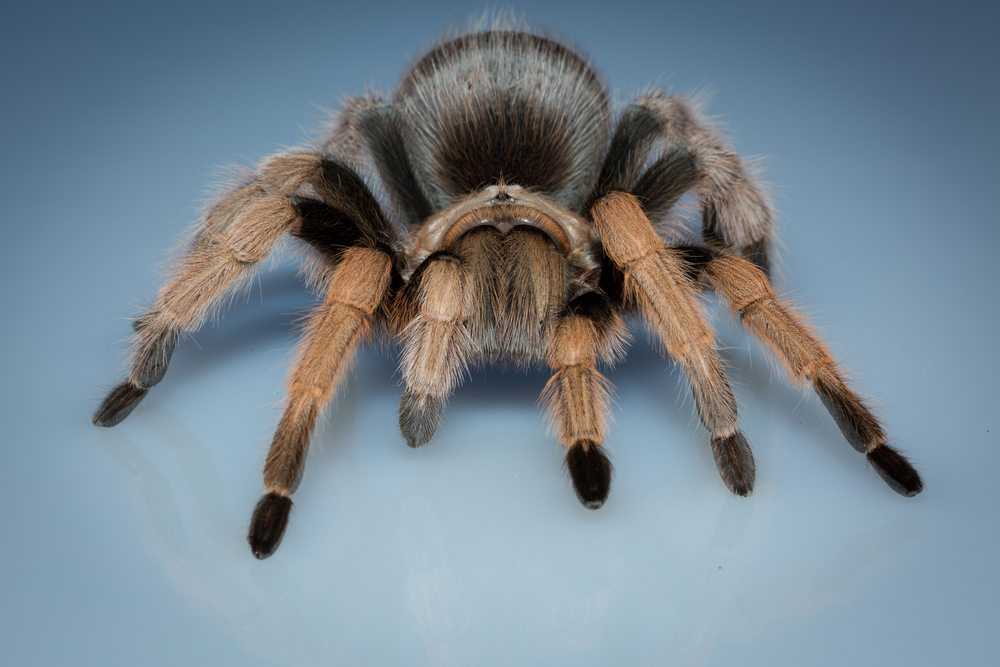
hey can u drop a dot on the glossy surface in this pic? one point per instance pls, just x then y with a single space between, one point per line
127 546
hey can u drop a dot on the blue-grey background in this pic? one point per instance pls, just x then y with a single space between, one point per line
126 546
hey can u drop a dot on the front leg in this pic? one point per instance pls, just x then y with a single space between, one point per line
332 336
656 280
577 394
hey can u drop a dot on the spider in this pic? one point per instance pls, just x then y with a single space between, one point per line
493 209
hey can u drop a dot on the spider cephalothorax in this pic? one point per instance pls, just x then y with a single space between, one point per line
509 219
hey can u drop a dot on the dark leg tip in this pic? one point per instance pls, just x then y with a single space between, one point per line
267 526
735 462
590 470
118 404
419 417
896 470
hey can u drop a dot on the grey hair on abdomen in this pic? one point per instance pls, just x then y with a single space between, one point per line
506 106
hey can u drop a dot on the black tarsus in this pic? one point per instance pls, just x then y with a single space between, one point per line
590 470
119 402
267 526
897 472
734 459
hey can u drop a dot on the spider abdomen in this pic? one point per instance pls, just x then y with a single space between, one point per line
504 106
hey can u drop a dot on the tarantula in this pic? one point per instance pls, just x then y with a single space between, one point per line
490 211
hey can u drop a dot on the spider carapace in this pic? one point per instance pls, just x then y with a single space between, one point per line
495 209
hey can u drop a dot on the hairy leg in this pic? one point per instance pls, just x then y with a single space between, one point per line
236 234
735 213
436 345
333 333
775 322
656 280
577 394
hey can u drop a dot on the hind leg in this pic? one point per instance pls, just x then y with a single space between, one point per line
748 292
736 215
332 336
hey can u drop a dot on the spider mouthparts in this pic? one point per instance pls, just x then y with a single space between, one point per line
590 470
896 471
267 526
117 405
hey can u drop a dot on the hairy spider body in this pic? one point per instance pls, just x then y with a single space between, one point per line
493 210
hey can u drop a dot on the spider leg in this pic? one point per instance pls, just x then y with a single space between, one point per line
333 333
751 297
235 235
436 345
577 394
736 215
656 280
354 241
